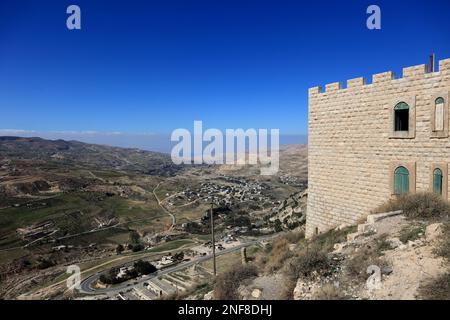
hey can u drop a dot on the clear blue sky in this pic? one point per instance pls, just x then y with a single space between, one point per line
153 66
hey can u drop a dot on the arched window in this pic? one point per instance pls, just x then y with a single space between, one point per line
401 117
439 114
437 181
401 180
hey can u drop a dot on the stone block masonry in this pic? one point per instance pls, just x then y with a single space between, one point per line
354 146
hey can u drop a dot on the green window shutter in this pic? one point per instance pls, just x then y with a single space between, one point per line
405 183
398 184
401 180
440 100
401 106
437 181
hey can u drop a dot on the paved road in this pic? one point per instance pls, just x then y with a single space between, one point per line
86 285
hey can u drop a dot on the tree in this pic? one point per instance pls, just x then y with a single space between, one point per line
134 236
45 263
113 272
144 267
179 256
131 274
110 277
104 279
119 249
277 225
137 247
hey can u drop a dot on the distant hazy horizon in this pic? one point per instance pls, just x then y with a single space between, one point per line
159 142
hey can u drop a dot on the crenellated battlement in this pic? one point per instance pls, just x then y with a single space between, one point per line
355 83
413 72
383 77
444 64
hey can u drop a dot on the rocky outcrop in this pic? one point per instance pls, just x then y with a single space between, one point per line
292 211
433 232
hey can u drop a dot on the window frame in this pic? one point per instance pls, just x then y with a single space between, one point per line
410 166
443 166
445 132
441 182
403 182
397 109
411 133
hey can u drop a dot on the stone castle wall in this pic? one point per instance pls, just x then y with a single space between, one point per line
353 151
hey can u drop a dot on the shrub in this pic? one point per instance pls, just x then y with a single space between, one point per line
418 205
228 282
381 244
44 263
306 262
356 267
411 233
443 248
179 256
293 225
436 289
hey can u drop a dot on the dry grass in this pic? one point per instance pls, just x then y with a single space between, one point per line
294 237
327 240
422 205
288 289
306 258
198 290
328 292
443 249
227 283
437 289
277 256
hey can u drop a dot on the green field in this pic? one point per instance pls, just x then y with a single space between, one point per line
172 245
75 212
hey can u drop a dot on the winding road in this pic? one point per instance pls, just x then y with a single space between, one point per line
86 284
174 220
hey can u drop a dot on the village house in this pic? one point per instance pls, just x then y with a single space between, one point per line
370 142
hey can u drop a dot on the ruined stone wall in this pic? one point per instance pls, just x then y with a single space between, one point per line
353 148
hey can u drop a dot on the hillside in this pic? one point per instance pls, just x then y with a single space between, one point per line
74 152
53 190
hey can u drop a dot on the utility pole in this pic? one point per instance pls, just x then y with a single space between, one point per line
213 241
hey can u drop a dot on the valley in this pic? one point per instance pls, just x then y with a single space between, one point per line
98 207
